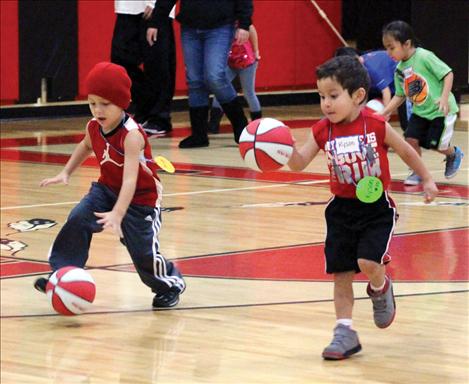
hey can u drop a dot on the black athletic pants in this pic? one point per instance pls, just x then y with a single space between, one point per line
153 87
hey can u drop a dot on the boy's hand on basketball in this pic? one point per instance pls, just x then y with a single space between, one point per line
430 191
110 220
62 177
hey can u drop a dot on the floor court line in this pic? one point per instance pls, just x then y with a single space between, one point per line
180 193
274 185
231 306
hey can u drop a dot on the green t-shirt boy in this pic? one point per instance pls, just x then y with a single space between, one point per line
420 78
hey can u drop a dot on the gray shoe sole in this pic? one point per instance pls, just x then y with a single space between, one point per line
412 182
341 356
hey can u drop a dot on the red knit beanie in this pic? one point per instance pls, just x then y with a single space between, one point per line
111 82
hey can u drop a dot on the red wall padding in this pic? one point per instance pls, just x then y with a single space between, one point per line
95 25
9 84
293 40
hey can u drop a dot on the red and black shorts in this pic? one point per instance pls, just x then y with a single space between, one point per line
357 230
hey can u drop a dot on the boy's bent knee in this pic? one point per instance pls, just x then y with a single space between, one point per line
369 266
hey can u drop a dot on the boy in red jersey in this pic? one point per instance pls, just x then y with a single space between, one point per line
359 228
127 196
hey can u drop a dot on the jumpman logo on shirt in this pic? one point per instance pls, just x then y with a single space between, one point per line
107 157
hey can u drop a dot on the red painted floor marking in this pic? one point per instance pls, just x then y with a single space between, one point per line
22 268
40 157
446 190
434 256
41 140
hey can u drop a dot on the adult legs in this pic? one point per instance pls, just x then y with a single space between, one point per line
216 112
193 49
205 55
160 72
230 75
217 45
126 50
247 78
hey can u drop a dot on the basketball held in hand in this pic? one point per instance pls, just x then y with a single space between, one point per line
71 290
266 144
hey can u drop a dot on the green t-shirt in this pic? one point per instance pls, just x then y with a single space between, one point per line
420 78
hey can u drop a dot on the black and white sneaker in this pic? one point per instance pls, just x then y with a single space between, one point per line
40 284
167 300
153 130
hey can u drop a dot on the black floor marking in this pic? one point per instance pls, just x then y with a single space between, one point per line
226 306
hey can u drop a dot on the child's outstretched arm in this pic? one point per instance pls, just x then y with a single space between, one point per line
413 160
300 158
395 102
79 155
133 145
386 96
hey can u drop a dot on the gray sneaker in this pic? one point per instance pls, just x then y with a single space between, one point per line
384 305
413 179
344 344
453 163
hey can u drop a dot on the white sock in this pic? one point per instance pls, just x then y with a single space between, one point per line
378 289
346 322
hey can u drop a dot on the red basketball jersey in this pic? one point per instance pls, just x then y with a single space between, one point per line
109 151
345 146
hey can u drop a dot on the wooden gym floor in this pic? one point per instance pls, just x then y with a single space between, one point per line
258 307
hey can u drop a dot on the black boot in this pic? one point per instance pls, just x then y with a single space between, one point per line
199 125
214 122
256 115
235 114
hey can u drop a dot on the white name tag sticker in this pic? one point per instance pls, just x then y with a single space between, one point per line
347 144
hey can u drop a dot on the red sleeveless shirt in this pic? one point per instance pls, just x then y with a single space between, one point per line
109 151
344 144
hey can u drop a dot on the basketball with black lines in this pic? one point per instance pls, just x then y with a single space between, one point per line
266 144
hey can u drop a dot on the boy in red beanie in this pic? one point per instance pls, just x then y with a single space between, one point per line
127 196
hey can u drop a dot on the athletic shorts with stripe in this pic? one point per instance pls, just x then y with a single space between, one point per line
431 134
358 230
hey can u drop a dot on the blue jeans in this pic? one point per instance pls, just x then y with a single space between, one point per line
141 225
247 78
205 56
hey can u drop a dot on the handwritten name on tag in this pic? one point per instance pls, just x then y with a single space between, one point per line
347 144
